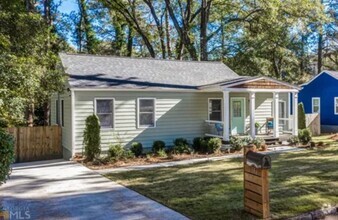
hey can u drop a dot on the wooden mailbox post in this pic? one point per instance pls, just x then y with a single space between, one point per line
256 183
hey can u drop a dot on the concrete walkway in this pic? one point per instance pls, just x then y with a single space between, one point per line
65 190
273 150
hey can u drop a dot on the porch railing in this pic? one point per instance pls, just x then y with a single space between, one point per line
214 128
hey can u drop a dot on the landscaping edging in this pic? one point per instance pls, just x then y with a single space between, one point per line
275 150
317 214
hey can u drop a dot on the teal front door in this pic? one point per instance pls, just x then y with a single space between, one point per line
237 115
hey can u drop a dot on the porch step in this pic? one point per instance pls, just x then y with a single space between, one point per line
271 140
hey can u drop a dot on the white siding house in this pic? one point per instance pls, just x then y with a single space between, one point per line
146 100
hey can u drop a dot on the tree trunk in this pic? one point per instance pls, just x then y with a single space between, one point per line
130 42
203 30
158 25
167 33
320 53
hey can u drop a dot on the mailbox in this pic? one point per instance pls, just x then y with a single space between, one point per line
257 160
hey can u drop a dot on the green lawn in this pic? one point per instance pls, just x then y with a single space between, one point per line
300 182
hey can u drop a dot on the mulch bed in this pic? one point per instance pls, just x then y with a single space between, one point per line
143 160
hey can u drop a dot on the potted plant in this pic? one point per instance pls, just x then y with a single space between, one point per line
257 126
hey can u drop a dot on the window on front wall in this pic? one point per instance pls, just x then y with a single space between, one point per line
215 109
105 112
336 105
315 105
146 112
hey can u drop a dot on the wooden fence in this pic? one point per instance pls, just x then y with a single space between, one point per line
37 143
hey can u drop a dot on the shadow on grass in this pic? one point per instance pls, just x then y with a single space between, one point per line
299 182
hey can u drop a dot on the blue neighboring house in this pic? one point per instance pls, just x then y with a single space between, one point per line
320 95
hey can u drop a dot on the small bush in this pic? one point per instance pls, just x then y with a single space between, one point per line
305 136
214 145
180 141
301 116
201 144
136 148
236 143
91 138
6 155
293 140
181 149
181 146
161 153
197 143
157 146
3 123
258 142
115 151
247 140
128 154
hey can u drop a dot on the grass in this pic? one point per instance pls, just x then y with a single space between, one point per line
299 182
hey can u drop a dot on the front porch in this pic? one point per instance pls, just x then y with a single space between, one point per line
258 107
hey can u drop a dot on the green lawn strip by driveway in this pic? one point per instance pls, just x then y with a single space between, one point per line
299 182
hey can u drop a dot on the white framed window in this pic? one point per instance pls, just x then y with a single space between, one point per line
336 105
104 109
215 109
146 110
62 113
315 105
282 109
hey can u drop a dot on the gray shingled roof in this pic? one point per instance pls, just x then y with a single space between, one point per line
93 71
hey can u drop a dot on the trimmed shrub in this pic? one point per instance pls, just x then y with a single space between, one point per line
181 149
91 138
293 140
115 151
128 154
301 116
3 123
236 143
197 144
180 141
214 145
181 146
201 144
136 148
157 146
161 153
305 136
258 142
6 155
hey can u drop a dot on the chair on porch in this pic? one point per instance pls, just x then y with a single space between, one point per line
219 129
269 125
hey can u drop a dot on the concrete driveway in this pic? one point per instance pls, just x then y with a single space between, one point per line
65 190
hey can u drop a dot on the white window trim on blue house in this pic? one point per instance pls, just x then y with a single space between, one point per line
335 105
313 106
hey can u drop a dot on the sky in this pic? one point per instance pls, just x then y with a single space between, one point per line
68 5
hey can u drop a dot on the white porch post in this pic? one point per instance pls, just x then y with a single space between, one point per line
295 113
276 115
226 110
252 114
